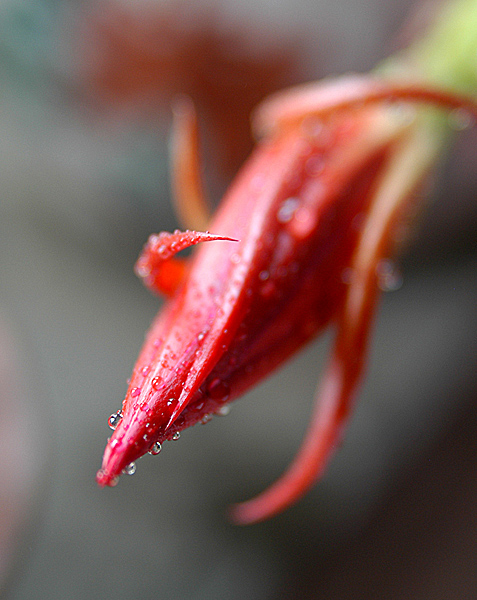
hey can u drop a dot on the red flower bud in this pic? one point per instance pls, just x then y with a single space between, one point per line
298 244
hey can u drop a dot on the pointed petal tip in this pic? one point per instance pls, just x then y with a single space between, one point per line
104 479
251 512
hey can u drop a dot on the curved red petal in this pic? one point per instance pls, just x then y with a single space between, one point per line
287 108
158 268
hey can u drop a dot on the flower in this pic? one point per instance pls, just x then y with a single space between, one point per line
301 241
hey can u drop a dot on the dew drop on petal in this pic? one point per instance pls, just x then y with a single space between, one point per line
205 419
114 482
135 392
460 119
142 270
156 382
130 469
197 406
218 390
155 448
263 275
223 411
315 165
114 419
287 210
176 436
389 277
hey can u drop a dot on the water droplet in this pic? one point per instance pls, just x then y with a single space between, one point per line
114 482
287 210
135 392
223 411
389 277
218 389
130 469
197 406
200 337
460 119
205 419
304 223
155 448
176 436
171 401
114 419
263 275
143 270
145 370
156 382
315 165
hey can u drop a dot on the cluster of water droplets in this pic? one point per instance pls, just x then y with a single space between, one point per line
154 450
217 388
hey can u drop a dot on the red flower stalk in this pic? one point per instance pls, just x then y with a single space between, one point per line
300 242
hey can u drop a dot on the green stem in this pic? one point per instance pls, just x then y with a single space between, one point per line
446 55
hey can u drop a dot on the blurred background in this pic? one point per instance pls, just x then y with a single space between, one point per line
84 114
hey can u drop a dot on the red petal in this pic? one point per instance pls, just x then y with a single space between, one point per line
156 266
289 107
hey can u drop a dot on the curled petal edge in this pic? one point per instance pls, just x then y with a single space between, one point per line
157 266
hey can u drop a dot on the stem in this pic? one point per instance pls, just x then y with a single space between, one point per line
446 54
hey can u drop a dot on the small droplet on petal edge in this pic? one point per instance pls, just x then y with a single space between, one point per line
114 419
223 411
130 469
176 436
155 449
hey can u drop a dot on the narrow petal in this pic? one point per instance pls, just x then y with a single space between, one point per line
288 108
188 192
332 407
